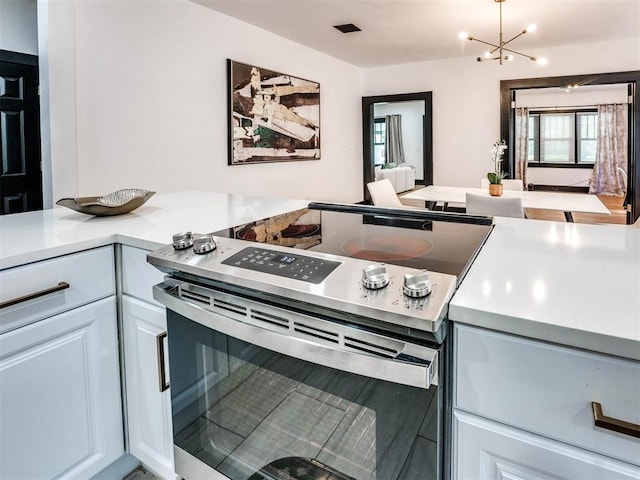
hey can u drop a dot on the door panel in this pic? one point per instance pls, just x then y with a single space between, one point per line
20 172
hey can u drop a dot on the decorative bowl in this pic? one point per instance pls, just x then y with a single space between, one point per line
116 203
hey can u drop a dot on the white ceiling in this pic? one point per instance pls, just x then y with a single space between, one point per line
405 31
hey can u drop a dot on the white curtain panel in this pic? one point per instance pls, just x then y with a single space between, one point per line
393 149
609 170
521 154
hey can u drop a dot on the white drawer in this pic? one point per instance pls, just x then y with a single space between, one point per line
547 389
90 275
486 450
138 276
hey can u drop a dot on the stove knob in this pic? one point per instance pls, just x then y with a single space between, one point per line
417 285
183 240
202 245
375 277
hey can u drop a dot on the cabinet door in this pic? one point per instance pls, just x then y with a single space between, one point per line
60 404
488 450
148 408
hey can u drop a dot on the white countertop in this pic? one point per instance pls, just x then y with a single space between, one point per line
33 236
567 283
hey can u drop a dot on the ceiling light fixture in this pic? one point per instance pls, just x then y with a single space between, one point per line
497 52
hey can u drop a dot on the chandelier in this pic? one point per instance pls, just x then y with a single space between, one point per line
498 51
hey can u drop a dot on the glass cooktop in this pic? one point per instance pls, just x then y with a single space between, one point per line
435 241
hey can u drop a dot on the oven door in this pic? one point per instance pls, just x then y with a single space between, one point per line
259 402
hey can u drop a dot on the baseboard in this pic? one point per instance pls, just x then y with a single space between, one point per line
557 188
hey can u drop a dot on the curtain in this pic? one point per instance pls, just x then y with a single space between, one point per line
521 152
393 150
610 168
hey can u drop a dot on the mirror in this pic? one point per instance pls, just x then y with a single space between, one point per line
415 111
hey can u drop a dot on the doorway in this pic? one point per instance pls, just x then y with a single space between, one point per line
509 89
20 157
416 112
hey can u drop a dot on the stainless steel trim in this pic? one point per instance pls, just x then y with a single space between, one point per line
303 336
613 424
163 385
31 296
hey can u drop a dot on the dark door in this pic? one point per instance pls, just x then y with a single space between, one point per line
20 171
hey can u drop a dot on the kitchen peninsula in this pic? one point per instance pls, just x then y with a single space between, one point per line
566 296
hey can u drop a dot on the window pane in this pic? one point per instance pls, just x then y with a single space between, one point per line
587 151
531 148
587 137
379 129
557 138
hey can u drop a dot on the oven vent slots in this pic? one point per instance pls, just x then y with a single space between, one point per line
270 319
196 297
324 334
229 307
369 347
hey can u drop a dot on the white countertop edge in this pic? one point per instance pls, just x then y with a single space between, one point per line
138 242
56 251
593 341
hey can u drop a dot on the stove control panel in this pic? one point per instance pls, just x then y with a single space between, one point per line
289 265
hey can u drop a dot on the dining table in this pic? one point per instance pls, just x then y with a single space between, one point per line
562 201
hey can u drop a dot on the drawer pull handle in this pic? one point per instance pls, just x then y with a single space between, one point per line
613 424
162 373
31 296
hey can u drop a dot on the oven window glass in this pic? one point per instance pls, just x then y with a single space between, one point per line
251 413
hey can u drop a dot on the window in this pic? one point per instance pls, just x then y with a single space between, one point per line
566 138
379 139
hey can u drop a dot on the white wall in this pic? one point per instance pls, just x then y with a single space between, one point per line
412 129
150 103
466 97
18 26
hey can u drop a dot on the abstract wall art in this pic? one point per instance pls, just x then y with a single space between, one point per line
273 117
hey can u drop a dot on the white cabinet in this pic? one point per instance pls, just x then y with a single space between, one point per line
491 450
55 285
525 406
60 403
148 401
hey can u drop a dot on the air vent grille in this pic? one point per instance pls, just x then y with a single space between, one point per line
270 319
229 306
375 349
196 297
316 332
291 323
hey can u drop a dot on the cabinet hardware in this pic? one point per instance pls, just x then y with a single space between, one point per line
613 424
162 373
31 296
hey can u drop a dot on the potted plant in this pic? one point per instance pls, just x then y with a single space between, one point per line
495 177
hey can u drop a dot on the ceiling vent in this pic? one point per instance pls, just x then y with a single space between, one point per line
347 28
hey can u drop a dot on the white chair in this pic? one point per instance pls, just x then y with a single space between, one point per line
383 194
494 206
507 184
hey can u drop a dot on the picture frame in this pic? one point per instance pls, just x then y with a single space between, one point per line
273 116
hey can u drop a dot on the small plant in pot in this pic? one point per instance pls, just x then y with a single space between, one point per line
495 177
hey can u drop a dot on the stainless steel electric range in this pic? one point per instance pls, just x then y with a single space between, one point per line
312 344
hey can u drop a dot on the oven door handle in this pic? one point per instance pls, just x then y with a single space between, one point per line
416 365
